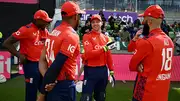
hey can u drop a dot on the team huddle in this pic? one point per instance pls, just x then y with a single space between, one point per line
49 59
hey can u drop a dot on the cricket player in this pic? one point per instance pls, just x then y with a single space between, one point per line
152 59
97 55
58 60
31 38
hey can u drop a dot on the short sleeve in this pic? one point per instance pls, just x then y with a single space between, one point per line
22 33
69 45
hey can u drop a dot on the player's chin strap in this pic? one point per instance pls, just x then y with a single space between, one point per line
112 79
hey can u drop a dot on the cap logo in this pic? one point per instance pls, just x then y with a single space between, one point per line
149 13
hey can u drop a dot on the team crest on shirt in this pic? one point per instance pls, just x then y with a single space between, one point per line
18 33
86 43
94 38
36 33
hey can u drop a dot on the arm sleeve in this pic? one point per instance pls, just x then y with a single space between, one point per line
53 71
110 61
90 52
109 56
69 45
132 46
140 54
22 33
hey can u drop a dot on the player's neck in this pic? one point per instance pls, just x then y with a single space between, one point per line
153 27
70 23
97 31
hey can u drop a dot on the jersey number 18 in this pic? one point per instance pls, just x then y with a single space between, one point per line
167 54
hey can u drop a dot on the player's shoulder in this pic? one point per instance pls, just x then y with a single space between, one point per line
24 28
105 36
70 34
87 35
27 27
143 42
72 39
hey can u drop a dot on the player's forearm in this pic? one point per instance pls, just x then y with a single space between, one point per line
43 67
53 71
132 46
136 61
110 61
81 70
12 50
133 66
9 45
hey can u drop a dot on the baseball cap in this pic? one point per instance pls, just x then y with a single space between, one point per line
41 14
96 16
154 11
71 8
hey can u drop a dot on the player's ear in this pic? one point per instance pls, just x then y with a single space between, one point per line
101 23
76 17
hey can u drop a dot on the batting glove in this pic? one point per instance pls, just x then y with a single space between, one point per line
110 46
112 78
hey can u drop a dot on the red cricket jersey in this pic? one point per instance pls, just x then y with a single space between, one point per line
132 46
65 40
93 43
31 41
155 53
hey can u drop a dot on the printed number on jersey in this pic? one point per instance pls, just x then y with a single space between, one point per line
50 52
167 54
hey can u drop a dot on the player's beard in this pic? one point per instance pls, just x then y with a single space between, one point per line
77 25
145 29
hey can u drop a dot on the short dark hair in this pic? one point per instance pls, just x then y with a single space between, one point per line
63 13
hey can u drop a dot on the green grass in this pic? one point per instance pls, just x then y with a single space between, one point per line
13 90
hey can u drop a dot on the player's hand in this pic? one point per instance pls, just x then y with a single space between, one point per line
22 59
111 73
78 78
140 68
110 46
41 97
50 86
138 33
112 78
87 30
76 81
